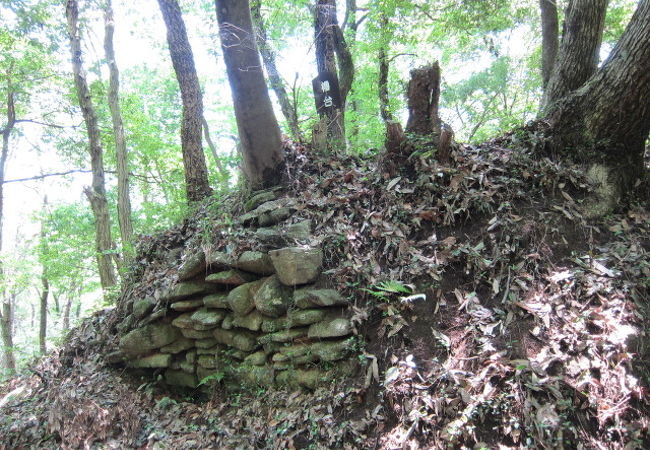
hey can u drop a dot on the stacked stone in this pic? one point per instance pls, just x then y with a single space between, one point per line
255 319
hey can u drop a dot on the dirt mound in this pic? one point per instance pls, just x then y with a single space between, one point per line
493 313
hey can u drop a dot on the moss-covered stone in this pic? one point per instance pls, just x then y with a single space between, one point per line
259 375
287 234
208 317
231 277
255 262
273 325
207 361
227 322
306 316
274 216
188 367
149 337
205 343
142 307
193 265
272 298
180 378
252 321
332 350
187 289
196 334
151 361
180 345
240 299
283 336
297 265
331 328
309 297
217 301
258 199
187 305
216 259
241 340
256 359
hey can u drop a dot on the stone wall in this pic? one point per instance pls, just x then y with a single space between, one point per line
256 317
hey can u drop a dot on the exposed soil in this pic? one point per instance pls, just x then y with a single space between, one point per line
531 330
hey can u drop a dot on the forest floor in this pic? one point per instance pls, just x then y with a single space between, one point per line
531 330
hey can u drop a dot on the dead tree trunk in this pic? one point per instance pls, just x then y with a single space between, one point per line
423 99
607 120
577 60
550 37
259 133
275 80
96 194
42 329
123 200
196 171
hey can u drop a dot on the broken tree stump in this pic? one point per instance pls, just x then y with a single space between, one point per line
423 97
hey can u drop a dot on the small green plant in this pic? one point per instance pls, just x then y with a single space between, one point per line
217 376
385 290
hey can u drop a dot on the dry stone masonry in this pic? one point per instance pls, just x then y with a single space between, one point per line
259 317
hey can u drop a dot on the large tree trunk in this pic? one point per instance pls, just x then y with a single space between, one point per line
275 80
97 194
123 200
196 172
608 119
577 60
550 39
259 133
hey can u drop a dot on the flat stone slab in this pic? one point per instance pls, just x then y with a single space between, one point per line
231 277
283 336
180 345
207 361
150 337
180 378
187 289
207 343
142 307
252 321
208 317
256 262
308 298
297 265
241 340
193 265
259 198
187 305
256 359
218 259
196 334
274 216
285 234
151 362
218 300
306 316
272 298
273 325
331 328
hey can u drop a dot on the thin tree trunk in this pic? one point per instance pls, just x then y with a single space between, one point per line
324 35
384 100
66 313
212 147
259 133
6 311
351 27
607 121
577 60
123 200
42 329
275 80
550 37
97 194
196 172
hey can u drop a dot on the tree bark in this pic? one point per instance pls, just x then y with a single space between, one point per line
6 312
607 121
42 329
275 80
550 37
325 24
259 133
423 99
196 172
96 194
577 60
123 200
